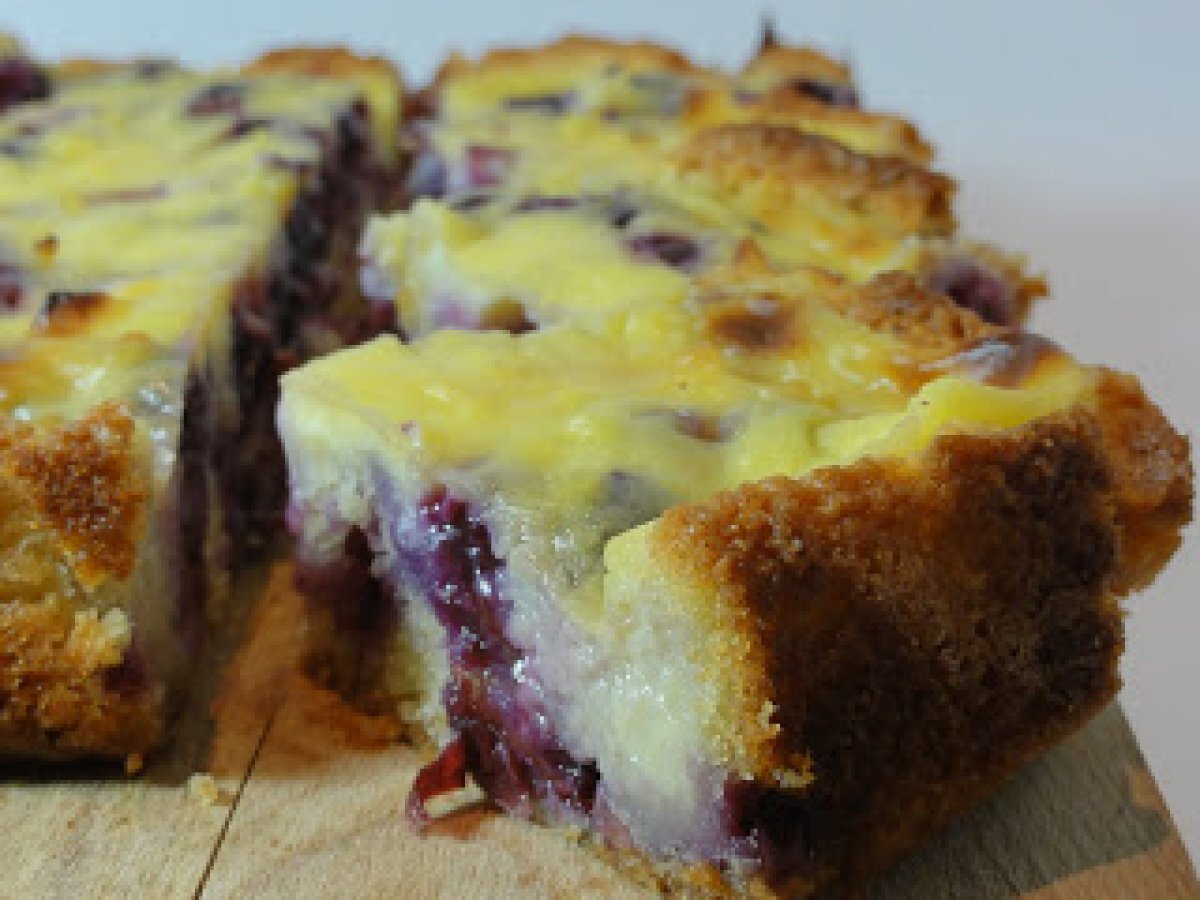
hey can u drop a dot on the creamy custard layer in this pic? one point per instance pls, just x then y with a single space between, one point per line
155 187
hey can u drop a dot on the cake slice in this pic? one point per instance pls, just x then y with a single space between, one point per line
755 632
669 162
720 506
169 242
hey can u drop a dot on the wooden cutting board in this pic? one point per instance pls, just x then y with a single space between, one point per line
306 799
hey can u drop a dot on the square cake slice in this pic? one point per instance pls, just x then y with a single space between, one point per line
746 633
703 512
170 241
667 163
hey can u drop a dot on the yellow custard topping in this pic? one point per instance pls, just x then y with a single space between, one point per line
136 199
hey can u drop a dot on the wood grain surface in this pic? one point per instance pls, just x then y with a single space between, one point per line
308 801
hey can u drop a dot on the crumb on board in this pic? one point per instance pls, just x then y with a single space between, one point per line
204 789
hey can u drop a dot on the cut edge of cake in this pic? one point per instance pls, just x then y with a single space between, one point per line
132 506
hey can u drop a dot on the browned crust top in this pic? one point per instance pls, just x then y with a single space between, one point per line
571 48
899 194
321 62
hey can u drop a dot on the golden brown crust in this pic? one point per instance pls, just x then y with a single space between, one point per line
83 482
1153 469
320 62
569 49
902 197
895 303
972 592
63 690
71 499
782 105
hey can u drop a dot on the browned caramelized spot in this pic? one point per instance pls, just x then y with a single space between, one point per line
701 426
46 247
69 312
754 324
86 484
895 303
785 105
420 104
506 315
749 259
904 196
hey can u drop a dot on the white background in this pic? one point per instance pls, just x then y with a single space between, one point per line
1073 127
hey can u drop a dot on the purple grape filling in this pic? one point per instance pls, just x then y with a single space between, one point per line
503 736
508 743
189 511
426 176
621 214
217 99
153 69
244 125
675 250
12 288
555 104
487 165
275 312
20 81
975 286
831 93
541 202
471 202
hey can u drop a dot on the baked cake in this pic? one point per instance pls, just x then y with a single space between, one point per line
719 503
169 241
685 163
